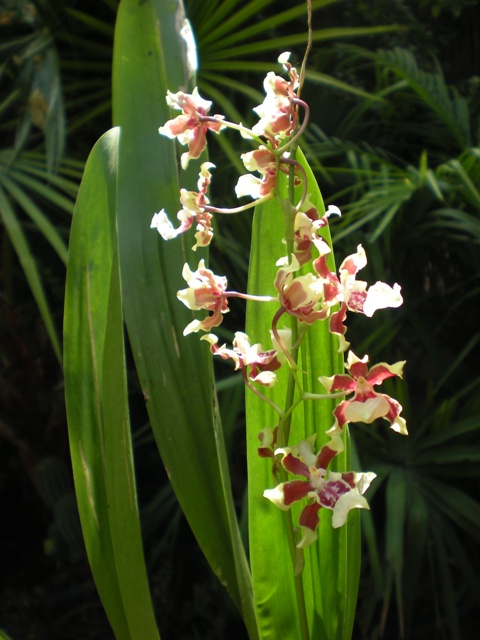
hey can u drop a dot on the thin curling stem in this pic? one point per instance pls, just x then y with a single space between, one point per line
300 130
308 48
258 393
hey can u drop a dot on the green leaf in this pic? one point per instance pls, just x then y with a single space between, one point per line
230 41
93 24
283 43
234 34
43 190
455 430
446 584
29 266
175 372
414 550
331 572
454 504
444 101
328 81
396 500
96 396
37 216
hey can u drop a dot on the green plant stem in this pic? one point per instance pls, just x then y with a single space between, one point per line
244 207
285 424
292 384
245 131
283 436
282 440
298 581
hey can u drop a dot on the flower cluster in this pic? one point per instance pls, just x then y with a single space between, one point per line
277 111
307 289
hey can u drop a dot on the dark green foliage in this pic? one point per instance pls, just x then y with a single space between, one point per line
46 91
410 194
404 165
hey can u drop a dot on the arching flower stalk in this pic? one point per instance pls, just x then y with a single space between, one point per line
306 291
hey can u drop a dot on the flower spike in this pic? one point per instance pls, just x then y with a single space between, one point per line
305 288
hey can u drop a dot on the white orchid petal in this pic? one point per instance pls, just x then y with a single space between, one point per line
382 296
367 411
162 224
248 185
350 500
277 497
265 378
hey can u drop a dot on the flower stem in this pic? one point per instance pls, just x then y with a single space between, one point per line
298 582
245 131
307 50
258 393
248 296
285 422
294 139
298 166
282 440
244 207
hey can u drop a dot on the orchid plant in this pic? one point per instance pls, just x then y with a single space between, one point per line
300 579
306 291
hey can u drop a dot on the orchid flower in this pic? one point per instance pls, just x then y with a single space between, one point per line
277 113
263 161
366 405
193 204
257 364
300 296
191 127
205 291
352 294
339 492
268 441
306 227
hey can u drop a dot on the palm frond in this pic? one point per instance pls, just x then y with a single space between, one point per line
28 191
233 41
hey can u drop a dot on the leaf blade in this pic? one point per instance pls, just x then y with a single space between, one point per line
330 615
176 378
96 396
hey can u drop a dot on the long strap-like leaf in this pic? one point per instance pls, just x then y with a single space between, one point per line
96 394
19 241
331 572
175 372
